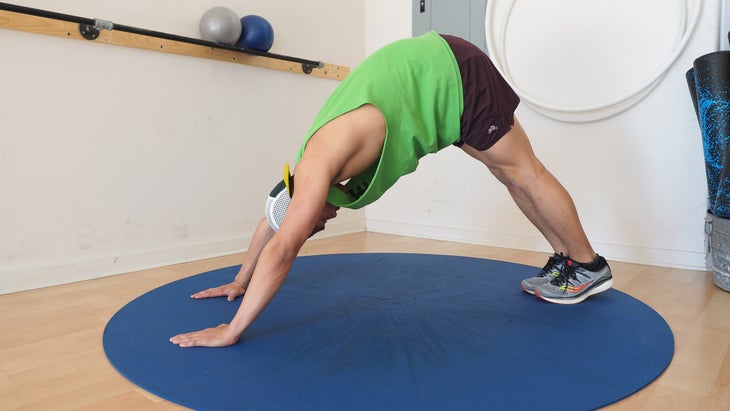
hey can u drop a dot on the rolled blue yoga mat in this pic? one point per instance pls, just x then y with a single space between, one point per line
690 77
710 78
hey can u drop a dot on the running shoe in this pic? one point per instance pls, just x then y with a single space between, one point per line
575 283
550 271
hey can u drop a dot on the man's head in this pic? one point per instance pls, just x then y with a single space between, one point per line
276 205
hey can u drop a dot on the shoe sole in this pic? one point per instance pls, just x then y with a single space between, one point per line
532 292
527 291
604 286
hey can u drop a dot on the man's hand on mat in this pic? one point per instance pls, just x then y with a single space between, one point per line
210 337
232 291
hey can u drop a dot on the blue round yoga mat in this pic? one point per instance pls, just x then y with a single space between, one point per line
393 332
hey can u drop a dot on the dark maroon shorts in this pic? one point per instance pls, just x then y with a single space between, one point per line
489 102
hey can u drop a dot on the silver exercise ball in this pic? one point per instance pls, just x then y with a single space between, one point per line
220 25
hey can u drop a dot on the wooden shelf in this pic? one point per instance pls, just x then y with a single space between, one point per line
60 28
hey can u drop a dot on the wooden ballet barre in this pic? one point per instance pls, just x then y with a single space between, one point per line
26 19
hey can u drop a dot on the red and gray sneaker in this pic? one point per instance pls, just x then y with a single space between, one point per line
550 271
575 282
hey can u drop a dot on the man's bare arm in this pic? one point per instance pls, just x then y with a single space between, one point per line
237 287
339 150
273 264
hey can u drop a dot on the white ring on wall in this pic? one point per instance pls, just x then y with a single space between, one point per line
582 114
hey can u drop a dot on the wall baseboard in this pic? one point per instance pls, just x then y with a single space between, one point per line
48 276
39 277
618 252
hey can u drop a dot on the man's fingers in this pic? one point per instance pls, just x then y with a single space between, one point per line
235 293
188 339
211 292
231 291
209 337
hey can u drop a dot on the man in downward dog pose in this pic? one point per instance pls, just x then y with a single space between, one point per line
411 98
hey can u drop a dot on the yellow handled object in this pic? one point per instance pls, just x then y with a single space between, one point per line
288 180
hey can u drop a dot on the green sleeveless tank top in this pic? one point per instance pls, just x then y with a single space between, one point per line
416 85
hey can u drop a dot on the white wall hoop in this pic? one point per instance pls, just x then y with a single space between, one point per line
496 34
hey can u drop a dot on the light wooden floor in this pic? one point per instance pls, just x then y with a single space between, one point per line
51 355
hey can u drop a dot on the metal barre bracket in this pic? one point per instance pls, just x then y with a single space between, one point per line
308 67
91 32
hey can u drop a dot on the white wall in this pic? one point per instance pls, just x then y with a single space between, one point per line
116 159
637 178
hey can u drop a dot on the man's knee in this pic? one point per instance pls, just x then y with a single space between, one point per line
519 176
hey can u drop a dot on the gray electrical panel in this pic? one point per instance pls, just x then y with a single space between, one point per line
724 25
462 18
